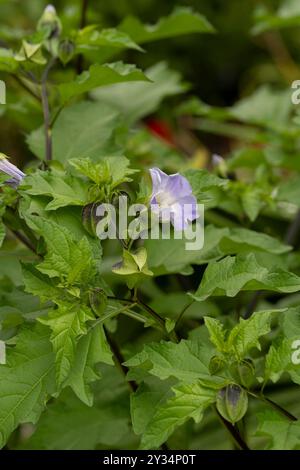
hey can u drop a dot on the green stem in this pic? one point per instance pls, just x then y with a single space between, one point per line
159 321
46 111
233 431
119 360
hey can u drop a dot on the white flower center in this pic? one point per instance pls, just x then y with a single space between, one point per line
165 199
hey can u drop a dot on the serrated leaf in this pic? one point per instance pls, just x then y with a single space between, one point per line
98 76
26 381
64 191
283 433
189 401
67 259
67 322
89 38
112 170
245 335
90 350
233 274
180 21
216 332
39 284
187 361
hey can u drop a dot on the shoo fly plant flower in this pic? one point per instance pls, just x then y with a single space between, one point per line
149 288
172 199
11 170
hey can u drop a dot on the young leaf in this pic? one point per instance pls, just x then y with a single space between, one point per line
64 191
69 260
245 335
39 284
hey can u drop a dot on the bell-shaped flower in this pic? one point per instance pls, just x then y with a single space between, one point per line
11 170
172 199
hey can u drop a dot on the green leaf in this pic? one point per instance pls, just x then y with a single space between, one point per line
266 106
172 256
245 335
216 332
64 191
70 424
280 357
139 99
39 284
67 322
91 128
283 433
287 16
240 240
98 76
252 202
67 259
180 21
27 380
289 191
189 401
233 274
90 39
90 350
112 170
149 396
187 361
7 61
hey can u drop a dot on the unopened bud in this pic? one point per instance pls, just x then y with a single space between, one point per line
50 22
66 50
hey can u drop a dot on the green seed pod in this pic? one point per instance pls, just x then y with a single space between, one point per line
98 301
66 50
216 364
232 403
90 218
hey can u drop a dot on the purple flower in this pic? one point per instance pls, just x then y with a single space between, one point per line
11 170
172 199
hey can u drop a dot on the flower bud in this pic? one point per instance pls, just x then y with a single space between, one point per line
89 218
232 403
11 170
216 364
66 50
49 22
